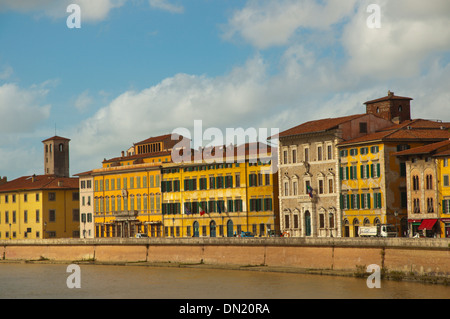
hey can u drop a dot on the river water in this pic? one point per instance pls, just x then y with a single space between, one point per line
36 281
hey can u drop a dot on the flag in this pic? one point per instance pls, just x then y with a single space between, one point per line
186 210
310 191
202 212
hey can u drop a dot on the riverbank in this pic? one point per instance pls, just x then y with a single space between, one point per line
401 259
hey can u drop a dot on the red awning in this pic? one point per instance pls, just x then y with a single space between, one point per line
427 224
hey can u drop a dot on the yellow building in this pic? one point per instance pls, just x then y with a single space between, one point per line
373 178
126 191
42 206
443 159
428 189
220 199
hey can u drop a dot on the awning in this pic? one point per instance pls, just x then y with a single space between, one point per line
427 224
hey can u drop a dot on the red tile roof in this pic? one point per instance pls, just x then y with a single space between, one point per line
426 149
160 138
40 182
388 97
56 138
319 125
414 130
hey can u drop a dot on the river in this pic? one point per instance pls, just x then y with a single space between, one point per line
49 281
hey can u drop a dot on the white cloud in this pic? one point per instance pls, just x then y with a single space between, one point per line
272 23
21 109
91 11
166 6
411 32
83 101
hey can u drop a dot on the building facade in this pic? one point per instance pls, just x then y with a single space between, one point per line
42 206
428 190
309 185
221 198
374 179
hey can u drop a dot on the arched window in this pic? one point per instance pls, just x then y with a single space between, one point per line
196 228
230 228
61 147
212 229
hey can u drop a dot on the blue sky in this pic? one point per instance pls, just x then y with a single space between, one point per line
141 68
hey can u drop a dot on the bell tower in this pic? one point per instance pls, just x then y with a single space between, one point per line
391 107
56 156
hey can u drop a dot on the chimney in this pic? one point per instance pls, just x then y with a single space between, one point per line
33 178
123 154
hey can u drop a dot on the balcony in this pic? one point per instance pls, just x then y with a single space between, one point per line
125 215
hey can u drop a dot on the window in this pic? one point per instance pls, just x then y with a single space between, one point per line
285 157
403 147
429 181
294 156
52 215
237 179
343 153
415 183
374 149
353 152
446 181
430 206
446 206
329 152
294 187
403 169
344 173
416 205
330 186
364 150
363 127
375 170
445 162
320 186
319 153
377 200
286 221
306 154
321 221
353 172
286 189
51 196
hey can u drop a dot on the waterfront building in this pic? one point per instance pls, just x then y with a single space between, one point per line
42 206
86 186
309 164
374 180
126 197
221 198
428 189
145 191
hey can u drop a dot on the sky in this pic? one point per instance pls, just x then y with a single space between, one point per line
141 68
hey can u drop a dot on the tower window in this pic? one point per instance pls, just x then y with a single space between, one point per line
400 108
61 147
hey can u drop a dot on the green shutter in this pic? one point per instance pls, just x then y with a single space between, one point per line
362 171
346 171
358 200
371 170
342 201
378 170
341 173
368 201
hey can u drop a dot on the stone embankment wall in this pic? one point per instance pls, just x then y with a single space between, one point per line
407 255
